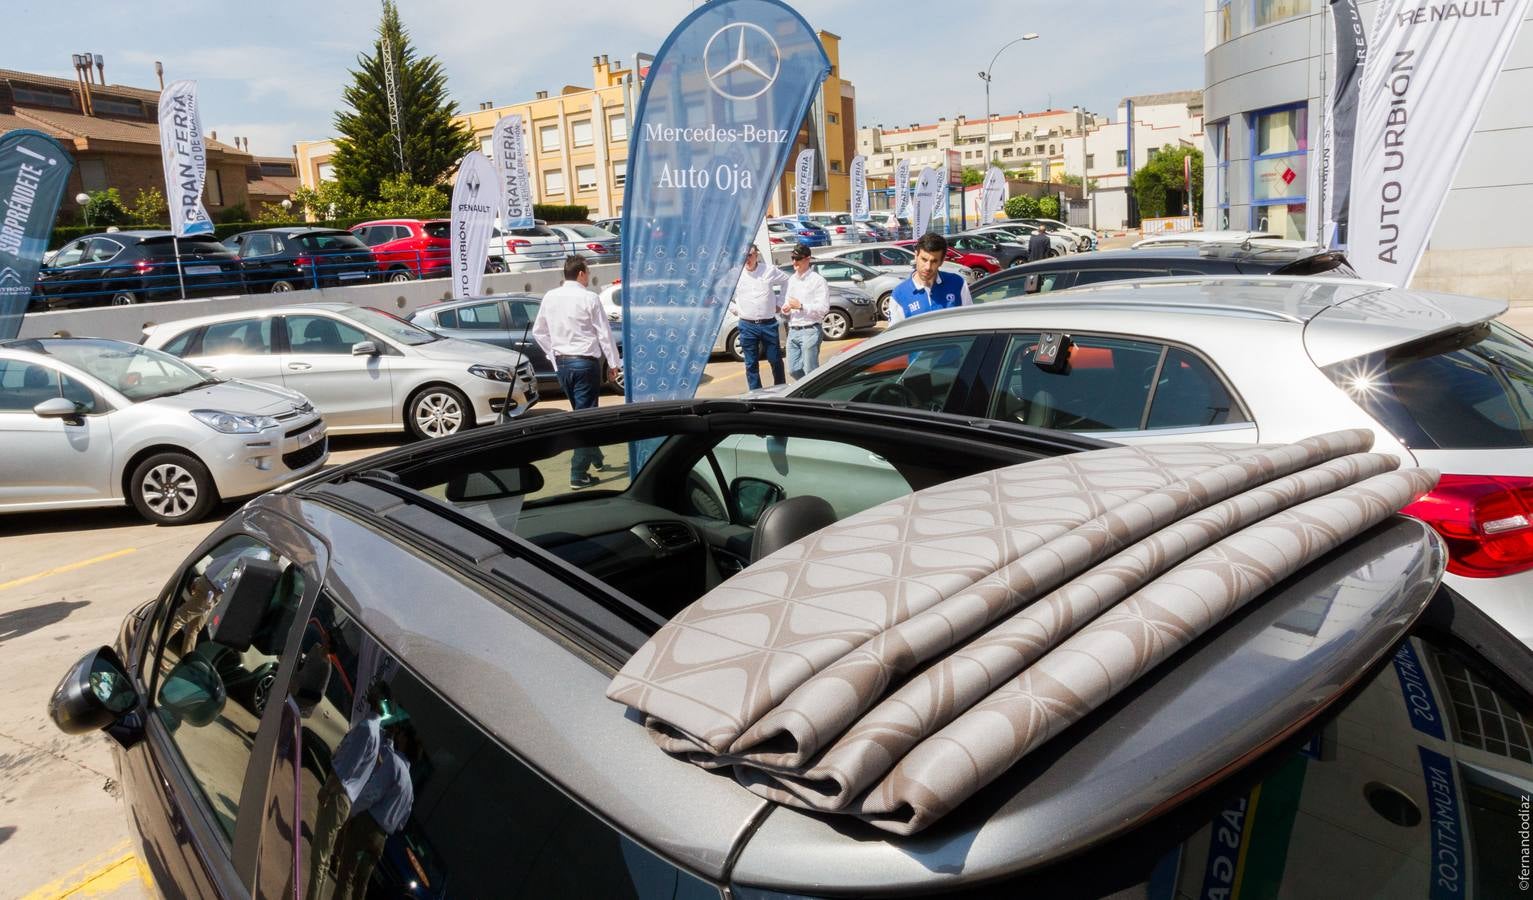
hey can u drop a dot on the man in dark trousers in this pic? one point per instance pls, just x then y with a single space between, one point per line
573 332
1038 246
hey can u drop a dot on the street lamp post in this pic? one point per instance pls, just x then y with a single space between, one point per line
83 199
985 76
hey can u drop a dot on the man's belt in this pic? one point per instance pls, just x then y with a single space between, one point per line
760 321
573 356
797 327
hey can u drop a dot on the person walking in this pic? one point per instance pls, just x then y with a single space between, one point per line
806 300
756 304
1038 246
928 287
573 333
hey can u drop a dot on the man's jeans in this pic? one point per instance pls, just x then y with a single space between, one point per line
580 379
803 351
759 341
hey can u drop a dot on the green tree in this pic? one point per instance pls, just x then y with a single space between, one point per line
1026 173
105 208
366 152
1048 207
148 207
327 202
973 175
1161 179
1022 207
399 197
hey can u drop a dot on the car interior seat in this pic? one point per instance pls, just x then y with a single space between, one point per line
788 520
36 386
321 336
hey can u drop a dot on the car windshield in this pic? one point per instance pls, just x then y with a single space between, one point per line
137 373
980 242
592 232
390 326
340 240
1469 390
167 248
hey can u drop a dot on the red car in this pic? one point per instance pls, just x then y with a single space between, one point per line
408 249
978 261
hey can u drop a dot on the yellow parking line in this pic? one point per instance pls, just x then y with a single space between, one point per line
120 872
68 567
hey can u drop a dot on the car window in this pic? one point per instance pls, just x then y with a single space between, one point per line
525 312
258 245
481 317
918 374
71 255
1104 386
23 385
1097 276
321 334
218 661
1472 389
835 271
846 476
404 796
437 229
185 344
323 242
894 256
241 336
1016 286
1189 394
102 250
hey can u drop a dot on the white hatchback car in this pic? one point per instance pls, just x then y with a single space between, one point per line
88 422
365 370
1247 360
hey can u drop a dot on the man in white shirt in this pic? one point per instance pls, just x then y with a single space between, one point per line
757 305
572 330
806 300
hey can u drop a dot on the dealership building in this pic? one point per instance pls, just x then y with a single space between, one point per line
1268 65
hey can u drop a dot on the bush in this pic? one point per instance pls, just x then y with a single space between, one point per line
1048 207
1022 207
235 213
552 212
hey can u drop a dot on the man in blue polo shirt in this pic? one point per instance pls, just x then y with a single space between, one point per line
929 287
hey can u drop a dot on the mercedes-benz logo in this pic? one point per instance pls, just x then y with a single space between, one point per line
740 61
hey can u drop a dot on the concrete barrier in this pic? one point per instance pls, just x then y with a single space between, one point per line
127 323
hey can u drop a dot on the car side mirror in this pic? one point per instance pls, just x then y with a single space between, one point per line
95 693
364 348
752 496
59 408
857 279
191 692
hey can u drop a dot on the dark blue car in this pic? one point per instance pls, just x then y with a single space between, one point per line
806 233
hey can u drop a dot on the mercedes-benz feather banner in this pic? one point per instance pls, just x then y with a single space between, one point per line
723 102
1430 69
185 158
474 198
34 170
509 145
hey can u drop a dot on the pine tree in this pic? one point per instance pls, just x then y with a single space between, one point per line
367 153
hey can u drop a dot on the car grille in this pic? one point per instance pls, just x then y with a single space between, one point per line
297 431
300 458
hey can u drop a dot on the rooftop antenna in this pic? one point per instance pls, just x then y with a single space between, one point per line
391 88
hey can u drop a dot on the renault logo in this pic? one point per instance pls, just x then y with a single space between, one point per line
749 69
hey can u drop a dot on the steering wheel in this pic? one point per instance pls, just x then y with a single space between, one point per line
888 393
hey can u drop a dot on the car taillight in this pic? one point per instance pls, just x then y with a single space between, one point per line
303 261
143 266
840 229
513 244
596 248
776 240
1486 521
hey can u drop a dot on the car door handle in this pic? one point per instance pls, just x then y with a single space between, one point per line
299 367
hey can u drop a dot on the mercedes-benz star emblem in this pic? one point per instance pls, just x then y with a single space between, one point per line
759 70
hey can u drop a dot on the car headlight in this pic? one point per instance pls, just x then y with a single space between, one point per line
858 299
233 423
493 373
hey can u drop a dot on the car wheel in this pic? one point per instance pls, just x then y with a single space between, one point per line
400 275
836 326
1054 253
883 305
281 287
736 352
124 298
496 266
1016 262
437 411
614 379
172 489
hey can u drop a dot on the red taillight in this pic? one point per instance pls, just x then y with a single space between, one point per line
596 248
776 240
514 243
143 266
303 261
840 229
1486 520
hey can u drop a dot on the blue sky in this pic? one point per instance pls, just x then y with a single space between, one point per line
273 71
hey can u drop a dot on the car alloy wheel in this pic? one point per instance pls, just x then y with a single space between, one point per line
437 412
883 305
261 692
281 287
495 267
124 298
400 275
172 489
837 325
735 349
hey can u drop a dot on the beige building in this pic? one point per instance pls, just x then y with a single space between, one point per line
577 139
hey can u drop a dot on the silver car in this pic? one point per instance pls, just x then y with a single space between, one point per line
526 249
88 422
365 370
597 246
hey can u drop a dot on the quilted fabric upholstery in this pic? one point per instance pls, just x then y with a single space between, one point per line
1009 604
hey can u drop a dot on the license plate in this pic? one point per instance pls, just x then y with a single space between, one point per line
203 270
